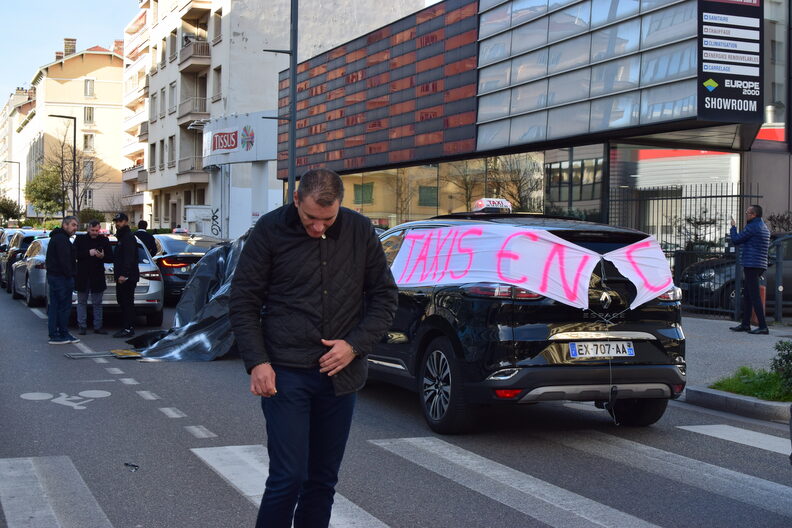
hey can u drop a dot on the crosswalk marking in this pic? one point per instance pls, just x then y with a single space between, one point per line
776 444
47 492
758 492
199 431
172 412
541 500
246 468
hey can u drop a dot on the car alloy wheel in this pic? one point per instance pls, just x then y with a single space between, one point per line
437 385
28 294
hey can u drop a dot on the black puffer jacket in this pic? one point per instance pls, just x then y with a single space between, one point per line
125 257
335 287
61 259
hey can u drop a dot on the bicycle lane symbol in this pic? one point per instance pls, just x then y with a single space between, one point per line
77 402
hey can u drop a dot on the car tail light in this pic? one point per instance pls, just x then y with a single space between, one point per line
674 294
173 263
507 394
40 266
499 291
151 275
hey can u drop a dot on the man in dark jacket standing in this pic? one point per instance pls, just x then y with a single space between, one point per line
93 250
126 272
755 242
146 237
320 271
61 269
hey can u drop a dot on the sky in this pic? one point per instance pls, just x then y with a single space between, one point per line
35 29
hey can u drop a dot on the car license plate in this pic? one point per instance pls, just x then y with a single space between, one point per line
590 349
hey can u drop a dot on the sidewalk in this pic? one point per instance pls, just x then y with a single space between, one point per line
713 352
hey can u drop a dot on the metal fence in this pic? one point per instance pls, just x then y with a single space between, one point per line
691 223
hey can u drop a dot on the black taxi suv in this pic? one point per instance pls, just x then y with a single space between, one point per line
465 345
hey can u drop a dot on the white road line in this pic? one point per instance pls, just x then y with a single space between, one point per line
776 444
246 469
199 431
536 498
148 395
85 349
100 360
47 492
128 381
758 492
114 370
172 412
39 313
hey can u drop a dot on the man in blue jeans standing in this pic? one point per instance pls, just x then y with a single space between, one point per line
320 274
61 269
754 240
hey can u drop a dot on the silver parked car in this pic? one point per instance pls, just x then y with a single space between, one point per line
149 292
29 274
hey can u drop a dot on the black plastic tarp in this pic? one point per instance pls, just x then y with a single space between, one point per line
201 327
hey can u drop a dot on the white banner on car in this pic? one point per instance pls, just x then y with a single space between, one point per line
533 259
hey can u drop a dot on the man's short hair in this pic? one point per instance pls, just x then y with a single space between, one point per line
94 223
757 209
142 224
323 185
68 219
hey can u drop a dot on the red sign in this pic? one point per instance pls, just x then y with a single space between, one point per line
225 140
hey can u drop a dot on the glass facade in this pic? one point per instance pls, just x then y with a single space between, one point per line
583 66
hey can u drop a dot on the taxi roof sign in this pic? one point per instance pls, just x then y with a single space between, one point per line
492 205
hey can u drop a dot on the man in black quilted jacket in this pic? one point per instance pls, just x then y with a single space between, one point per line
319 272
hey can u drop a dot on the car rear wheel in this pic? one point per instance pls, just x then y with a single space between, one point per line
440 387
29 299
155 318
638 412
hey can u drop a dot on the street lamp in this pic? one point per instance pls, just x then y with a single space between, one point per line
19 181
74 164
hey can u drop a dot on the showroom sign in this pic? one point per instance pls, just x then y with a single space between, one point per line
730 61
239 139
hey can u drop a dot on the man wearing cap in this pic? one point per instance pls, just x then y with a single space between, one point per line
126 272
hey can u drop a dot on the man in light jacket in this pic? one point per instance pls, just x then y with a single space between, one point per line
754 240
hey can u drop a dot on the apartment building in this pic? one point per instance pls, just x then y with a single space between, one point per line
137 63
83 90
208 64
17 105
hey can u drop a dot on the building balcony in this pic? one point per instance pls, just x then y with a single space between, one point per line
193 8
195 56
143 131
133 199
190 170
192 109
132 122
136 174
133 148
135 90
142 4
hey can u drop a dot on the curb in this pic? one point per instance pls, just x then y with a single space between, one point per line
738 404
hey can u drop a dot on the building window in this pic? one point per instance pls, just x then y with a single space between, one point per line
88 170
217 18
88 115
364 193
217 86
172 97
152 157
89 198
89 88
200 196
427 196
173 44
88 142
171 151
153 108
156 208
163 102
162 154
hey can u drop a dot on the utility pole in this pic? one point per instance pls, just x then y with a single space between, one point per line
74 162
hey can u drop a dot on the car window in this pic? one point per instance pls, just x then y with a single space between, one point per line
33 250
142 255
194 245
391 245
26 242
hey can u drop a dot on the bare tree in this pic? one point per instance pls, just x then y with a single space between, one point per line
403 194
119 204
519 179
77 179
463 175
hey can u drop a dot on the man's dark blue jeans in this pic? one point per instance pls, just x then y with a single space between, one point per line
59 307
307 430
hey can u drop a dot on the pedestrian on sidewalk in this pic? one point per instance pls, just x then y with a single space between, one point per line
61 269
147 238
93 251
321 273
126 273
755 242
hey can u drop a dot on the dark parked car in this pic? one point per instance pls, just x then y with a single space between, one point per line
16 248
176 255
29 274
462 346
709 284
